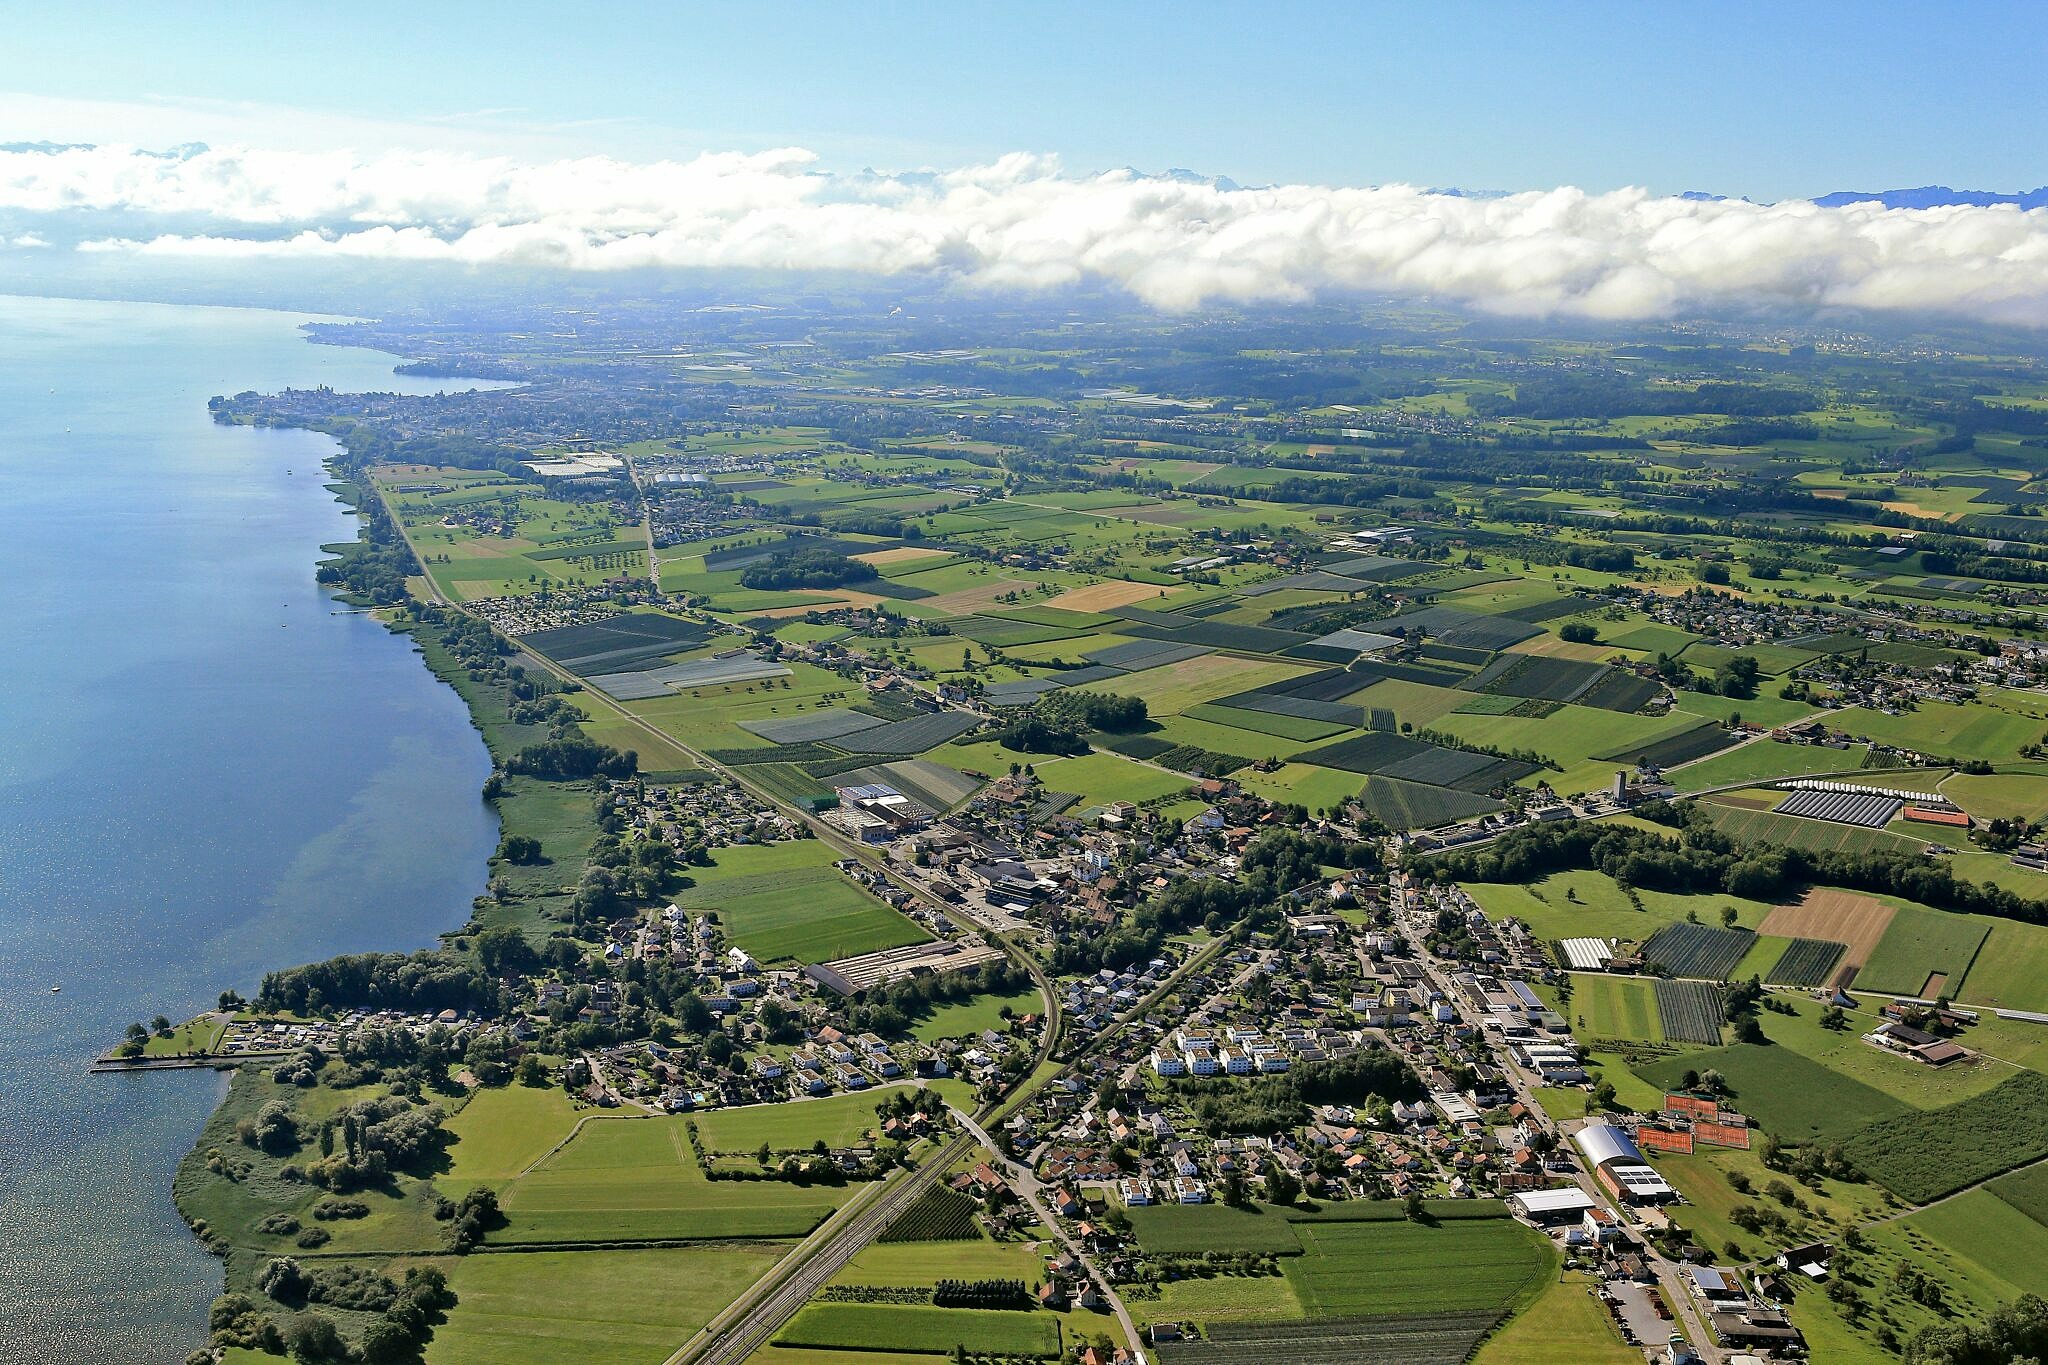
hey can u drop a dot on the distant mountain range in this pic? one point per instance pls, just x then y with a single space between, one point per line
1934 197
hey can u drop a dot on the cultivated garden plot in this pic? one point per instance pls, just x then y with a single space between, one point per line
1690 1011
1695 950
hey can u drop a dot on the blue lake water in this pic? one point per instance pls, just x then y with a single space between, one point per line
206 770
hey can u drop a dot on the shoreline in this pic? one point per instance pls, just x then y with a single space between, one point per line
351 495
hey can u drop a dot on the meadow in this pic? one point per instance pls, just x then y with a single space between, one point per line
635 1180
920 1330
1587 904
1615 1007
1563 1325
837 1120
500 1131
608 1307
785 901
1923 950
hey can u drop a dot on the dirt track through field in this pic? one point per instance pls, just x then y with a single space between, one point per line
1838 916
901 554
1102 596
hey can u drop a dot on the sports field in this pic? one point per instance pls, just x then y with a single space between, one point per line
786 902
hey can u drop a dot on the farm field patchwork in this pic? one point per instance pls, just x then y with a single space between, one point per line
1844 917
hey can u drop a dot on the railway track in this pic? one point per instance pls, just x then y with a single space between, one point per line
776 1303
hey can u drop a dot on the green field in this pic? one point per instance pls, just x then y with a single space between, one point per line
503 1130
2010 970
1586 904
1190 1230
1615 1007
1303 784
839 1120
1103 777
1919 944
1928 1154
1265 725
964 1018
1350 1261
635 1180
1747 826
786 902
1386 1268
1790 1095
918 1329
1563 1325
1938 728
2012 793
1764 761
606 1307
1998 1241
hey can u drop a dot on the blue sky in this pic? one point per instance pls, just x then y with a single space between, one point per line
1764 100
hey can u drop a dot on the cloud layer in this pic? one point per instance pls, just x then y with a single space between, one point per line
1023 222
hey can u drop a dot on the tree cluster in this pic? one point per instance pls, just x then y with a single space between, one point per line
810 567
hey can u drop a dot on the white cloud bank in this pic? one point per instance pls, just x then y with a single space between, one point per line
1023 222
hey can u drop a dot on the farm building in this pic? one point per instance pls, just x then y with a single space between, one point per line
1588 954
889 812
1928 815
1867 809
1809 1259
1619 1165
1551 1206
1916 1043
